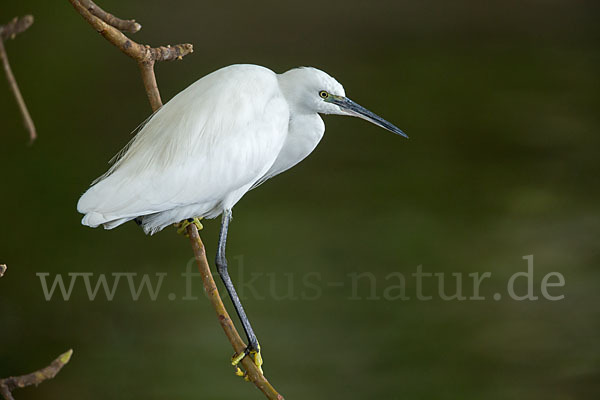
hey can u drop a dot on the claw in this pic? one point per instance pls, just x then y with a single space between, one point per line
256 358
182 226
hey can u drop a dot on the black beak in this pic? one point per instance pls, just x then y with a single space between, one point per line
354 109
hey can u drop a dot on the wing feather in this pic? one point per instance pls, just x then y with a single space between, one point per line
218 135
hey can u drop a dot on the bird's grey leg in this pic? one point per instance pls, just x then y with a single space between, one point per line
221 262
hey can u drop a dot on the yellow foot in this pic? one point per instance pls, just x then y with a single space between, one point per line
254 354
182 226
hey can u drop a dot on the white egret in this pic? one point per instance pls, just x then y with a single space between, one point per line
219 138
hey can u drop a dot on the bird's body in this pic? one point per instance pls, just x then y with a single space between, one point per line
204 149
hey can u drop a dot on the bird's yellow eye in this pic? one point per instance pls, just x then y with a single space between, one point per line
323 94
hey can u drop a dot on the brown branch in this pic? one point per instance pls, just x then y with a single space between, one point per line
9 31
9 384
146 57
252 372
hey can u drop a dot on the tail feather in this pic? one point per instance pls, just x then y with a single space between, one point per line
94 219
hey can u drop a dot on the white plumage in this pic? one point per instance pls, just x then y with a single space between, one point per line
223 135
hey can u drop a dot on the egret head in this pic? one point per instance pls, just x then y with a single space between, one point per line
316 91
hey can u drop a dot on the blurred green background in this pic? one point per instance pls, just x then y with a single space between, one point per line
501 102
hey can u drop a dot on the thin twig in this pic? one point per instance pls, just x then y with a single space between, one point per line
9 31
9 384
146 57
15 27
125 25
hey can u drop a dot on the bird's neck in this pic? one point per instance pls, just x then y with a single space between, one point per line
296 95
